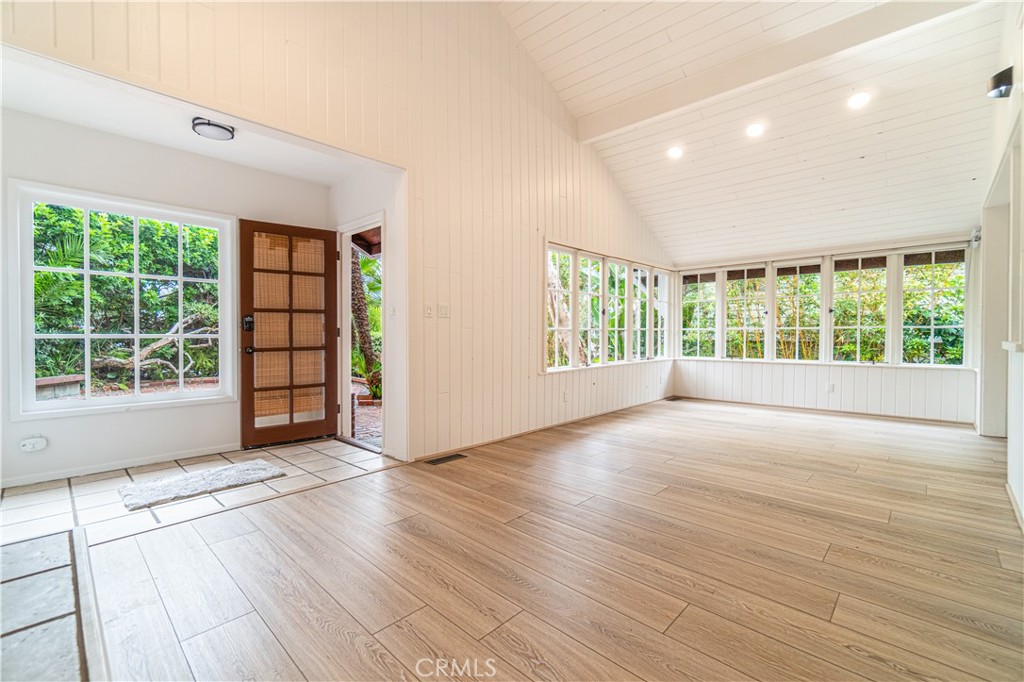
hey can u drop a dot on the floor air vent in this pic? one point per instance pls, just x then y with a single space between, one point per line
673 398
447 458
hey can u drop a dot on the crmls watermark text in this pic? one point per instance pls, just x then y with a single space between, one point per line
443 667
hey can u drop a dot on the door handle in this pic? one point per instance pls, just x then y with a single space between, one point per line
249 350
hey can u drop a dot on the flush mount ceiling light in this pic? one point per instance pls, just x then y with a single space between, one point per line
859 100
675 152
755 130
204 127
1000 84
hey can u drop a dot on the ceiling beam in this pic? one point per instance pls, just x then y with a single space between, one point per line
763 64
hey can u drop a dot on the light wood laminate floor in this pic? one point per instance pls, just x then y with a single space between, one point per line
675 541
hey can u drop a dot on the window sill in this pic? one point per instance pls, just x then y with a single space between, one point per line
62 412
819 363
621 363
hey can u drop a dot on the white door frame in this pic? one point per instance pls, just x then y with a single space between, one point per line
345 232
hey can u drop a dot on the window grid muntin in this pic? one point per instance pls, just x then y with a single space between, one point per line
705 302
871 264
659 306
590 337
948 257
752 302
88 208
556 294
639 289
799 300
617 324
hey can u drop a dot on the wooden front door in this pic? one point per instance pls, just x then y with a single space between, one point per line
288 292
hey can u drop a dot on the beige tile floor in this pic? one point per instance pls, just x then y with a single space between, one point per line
93 501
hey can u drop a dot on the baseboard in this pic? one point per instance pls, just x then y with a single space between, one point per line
442 453
120 464
1016 509
846 413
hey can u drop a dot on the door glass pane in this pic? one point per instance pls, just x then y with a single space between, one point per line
307 255
307 292
308 367
271 408
271 369
307 329
269 290
309 404
270 251
270 330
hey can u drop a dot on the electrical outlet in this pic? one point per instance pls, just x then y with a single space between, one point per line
830 388
34 444
443 310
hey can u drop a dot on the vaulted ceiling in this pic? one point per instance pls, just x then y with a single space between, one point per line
912 164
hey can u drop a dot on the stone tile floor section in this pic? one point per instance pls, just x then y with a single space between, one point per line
40 612
93 501
369 424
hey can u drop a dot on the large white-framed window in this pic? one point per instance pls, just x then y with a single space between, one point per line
640 293
590 307
616 310
601 310
745 313
933 307
558 311
660 292
859 303
798 312
122 302
699 315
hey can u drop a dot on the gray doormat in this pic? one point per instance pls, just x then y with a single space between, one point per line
170 488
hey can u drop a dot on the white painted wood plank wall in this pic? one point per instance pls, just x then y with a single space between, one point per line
447 92
945 394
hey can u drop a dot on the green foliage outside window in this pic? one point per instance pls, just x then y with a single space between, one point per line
699 315
133 272
858 310
933 307
745 313
797 312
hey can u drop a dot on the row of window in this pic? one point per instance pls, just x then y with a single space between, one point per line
600 310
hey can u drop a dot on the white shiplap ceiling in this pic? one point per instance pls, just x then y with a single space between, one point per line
913 164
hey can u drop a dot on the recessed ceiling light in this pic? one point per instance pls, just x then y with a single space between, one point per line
204 127
755 130
675 152
859 100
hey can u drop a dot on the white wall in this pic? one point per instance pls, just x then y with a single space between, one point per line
56 153
989 294
946 394
446 92
383 192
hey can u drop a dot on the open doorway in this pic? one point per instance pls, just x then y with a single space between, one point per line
364 332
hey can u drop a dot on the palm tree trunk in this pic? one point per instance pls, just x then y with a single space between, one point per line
361 325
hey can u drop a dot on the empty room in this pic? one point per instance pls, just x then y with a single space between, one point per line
593 341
